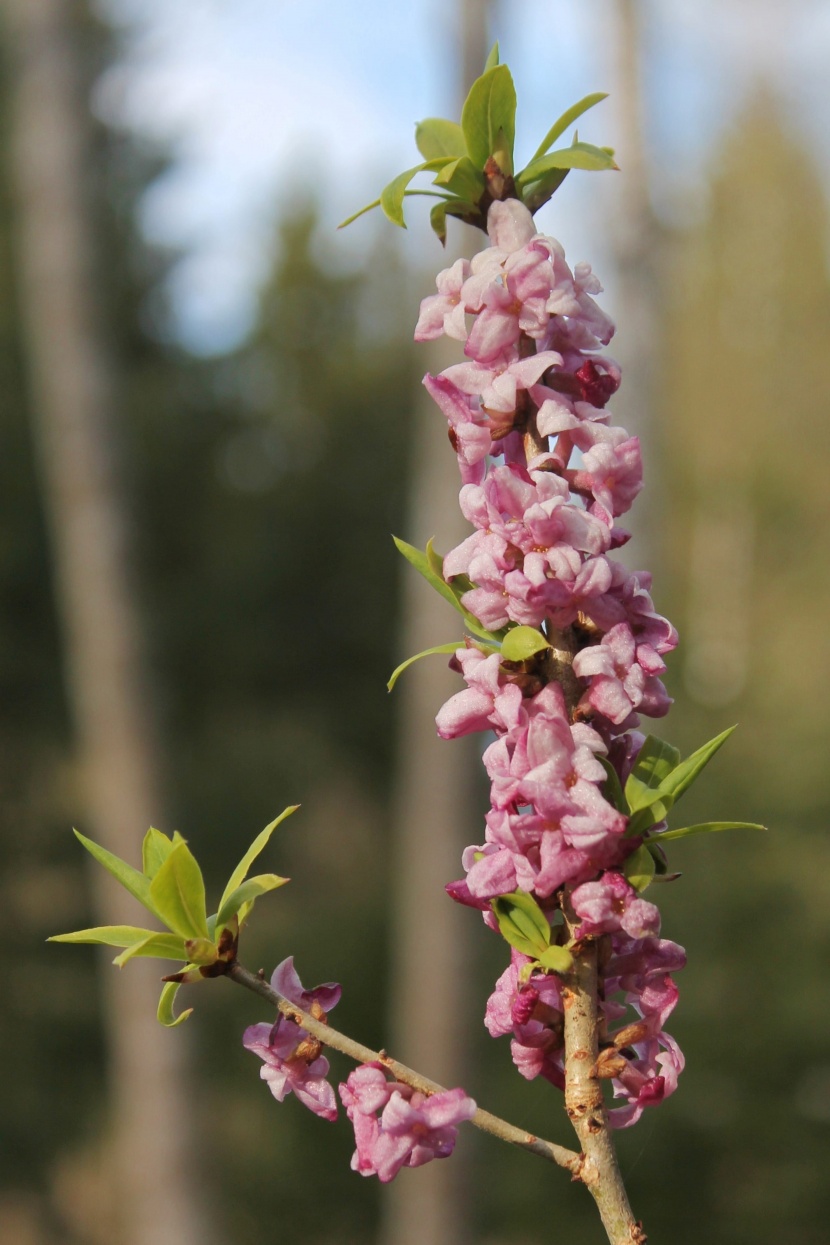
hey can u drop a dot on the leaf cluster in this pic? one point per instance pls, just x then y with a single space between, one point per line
523 924
657 781
515 643
171 887
472 162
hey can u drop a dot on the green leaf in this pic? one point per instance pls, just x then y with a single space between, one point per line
676 782
201 951
166 1015
559 959
392 196
438 221
493 57
427 652
107 936
655 761
612 790
462 178
155 850
178 893
521 643
579 156
260 842
706 827
247 893
537 193
424 563
489 107
639 868
361 212
568 117
437 137
158 946
450 207
523 923
133 881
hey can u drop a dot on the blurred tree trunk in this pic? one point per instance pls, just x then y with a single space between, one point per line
637 239
434 813
73 401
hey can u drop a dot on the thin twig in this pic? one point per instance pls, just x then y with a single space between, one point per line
363 1054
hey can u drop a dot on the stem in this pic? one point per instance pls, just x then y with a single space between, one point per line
584 1102
363 1054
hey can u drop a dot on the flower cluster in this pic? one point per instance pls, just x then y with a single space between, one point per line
395 1126
545 479
292 1060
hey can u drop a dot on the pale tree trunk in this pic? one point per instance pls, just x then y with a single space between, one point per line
72 397
434 809
636 238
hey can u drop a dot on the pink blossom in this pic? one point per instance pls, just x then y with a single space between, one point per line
444 312
612 904
292 1062
397 1126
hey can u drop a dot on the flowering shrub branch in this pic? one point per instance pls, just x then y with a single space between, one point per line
561 656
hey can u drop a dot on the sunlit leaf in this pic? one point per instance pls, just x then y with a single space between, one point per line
639 868
677 781
178 894
436 137
492 58
522 923
655 761
612 789
427 652
462 178
154 851
489 107
107 935
580 156
559 959
706 827
522 643
201 951
131 879
157 946
421 561
260 842
392 196
247 893
535 194
568 117
165 1014
361 212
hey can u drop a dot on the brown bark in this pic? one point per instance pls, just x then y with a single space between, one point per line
584 1103
73 400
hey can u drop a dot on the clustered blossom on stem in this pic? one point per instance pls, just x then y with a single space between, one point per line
292 1060
395 1126
545 478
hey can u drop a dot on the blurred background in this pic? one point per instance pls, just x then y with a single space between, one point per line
212 422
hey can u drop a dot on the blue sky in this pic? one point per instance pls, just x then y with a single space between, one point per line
256 98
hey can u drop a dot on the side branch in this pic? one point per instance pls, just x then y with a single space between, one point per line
584 1103
363 1054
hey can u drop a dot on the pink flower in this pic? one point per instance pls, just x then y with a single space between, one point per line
292 1062
444 312
397 1126
612 904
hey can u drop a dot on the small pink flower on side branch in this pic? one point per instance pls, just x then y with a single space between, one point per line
396 1126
